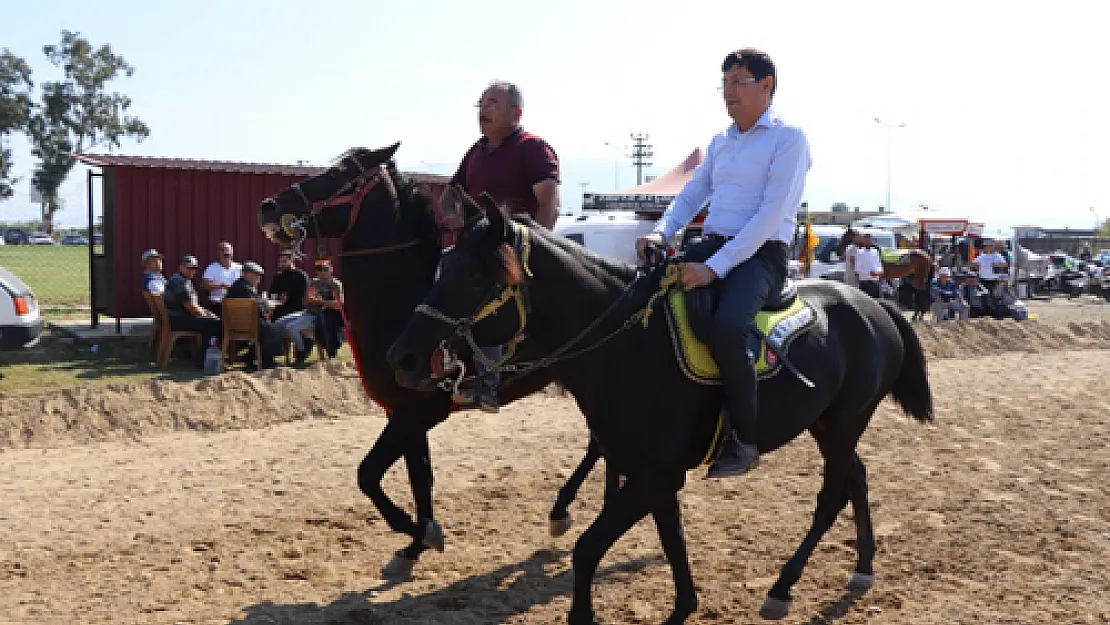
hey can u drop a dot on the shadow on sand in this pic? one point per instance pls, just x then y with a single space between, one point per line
490 597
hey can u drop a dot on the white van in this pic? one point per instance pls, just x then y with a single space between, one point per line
20 321
609 233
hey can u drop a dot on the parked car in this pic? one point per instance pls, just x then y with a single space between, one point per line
15 236
20 321
74 239
40 239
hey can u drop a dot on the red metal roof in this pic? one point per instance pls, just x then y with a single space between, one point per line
236 167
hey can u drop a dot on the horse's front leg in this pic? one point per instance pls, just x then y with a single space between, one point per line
418 462
632 502
402 435
560 520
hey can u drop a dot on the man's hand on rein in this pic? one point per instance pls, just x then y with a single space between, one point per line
695 275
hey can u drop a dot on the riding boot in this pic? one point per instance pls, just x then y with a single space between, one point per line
739 453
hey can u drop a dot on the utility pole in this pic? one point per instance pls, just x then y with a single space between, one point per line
641 151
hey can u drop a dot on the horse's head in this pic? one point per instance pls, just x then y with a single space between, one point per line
317 202
477 299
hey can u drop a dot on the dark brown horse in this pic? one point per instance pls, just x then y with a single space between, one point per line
916 265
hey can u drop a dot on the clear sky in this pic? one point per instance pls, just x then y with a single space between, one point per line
1004 102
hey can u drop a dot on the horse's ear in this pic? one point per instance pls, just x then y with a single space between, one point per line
498 219
471 210
383 155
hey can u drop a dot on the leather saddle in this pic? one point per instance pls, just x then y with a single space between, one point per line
701 303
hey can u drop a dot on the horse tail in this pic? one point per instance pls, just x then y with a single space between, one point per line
911 388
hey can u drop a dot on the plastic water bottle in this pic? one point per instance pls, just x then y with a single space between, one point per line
213 359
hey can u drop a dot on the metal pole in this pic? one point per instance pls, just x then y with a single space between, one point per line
889 129
95 321
616 166
888 133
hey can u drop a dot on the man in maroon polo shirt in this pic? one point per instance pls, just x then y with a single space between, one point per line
519 170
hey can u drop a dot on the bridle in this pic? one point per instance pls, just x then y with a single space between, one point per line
361 186
500 295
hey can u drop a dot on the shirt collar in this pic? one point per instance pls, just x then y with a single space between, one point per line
768 118
516 131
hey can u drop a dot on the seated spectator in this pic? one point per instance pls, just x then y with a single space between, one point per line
246 287
219 275
947 301
974 294
153 280
184 309
325 302
290 285
869 267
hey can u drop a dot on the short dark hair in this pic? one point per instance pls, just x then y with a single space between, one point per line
757 62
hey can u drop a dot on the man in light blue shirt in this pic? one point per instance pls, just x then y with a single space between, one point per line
753 177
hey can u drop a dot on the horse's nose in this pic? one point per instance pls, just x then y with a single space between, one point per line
402 359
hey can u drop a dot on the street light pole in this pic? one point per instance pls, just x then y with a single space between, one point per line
616 166
889 129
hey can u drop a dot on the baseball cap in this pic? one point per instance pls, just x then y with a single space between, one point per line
151 253
946 271
189 261
252 267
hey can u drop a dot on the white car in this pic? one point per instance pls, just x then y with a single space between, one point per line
40 239
20 321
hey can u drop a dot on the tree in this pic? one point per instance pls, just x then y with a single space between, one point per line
15 110
77 114
1103 231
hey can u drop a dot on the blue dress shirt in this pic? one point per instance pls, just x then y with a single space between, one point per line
753 181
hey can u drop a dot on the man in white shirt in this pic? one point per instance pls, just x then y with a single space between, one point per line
869 266
851 277
753 177
219 275
992 270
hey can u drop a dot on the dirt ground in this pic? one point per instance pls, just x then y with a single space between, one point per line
234 500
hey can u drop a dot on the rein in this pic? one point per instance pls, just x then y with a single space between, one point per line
462 327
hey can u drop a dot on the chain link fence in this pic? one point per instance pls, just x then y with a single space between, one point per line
56 267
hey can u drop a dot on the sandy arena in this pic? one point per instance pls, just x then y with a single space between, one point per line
234 500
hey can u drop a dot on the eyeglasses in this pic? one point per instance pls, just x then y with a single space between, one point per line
733 83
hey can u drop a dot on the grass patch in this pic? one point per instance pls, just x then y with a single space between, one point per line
63 363
58 274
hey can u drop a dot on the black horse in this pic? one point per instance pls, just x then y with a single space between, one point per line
390 251
652 423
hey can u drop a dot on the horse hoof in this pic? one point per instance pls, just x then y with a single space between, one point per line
774 609
861 581
399 567
433 536
560 526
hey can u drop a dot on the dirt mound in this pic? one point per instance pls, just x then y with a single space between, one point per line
131 411
251 401
985 337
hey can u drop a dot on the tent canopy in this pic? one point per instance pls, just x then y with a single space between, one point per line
671 182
